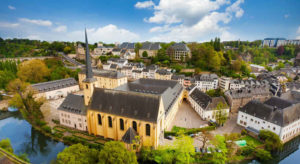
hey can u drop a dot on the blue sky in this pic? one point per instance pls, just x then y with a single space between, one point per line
156 20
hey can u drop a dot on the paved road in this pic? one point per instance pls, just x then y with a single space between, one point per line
230 126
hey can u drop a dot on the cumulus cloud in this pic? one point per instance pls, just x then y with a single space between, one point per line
145 4
194 20
11 7
36 21
60 29
109 33
8 25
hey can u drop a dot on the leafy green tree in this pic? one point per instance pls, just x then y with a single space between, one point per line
220 114
5 144
272 140
5 78
263 155
220 143
67 50
78 154
114 152
184 149
33 71
145 54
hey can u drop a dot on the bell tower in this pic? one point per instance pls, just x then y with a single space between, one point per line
89 83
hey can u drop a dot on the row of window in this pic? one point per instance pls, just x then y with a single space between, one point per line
256 122
121 121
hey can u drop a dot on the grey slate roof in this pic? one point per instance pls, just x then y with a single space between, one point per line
249 91
88 64
293 85
127 45
177 77
54 85
163 72
179 47
150 46
275 110
113 66
107 73
169 90
205 101
206 77
74 104
129 136
126 103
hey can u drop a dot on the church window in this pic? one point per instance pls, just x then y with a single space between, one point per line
147 130
99 119
109 122
121 124
134 126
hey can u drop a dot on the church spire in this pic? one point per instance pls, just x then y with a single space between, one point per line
88 66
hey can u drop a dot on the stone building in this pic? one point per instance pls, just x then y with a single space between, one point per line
240 97
277 115
179 52
205 105
163 74
206 82
105 78
150 48
55 89
72 112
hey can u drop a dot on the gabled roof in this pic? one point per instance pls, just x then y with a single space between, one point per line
206 77
179 47
106 73
129 136
54 85
163 72
127 45
150 46
275 110
74 104
134 105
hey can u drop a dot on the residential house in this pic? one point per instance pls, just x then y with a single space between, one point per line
150 48
206 82
179 52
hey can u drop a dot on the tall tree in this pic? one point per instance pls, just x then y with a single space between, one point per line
114 152
78 154
33 71
220 114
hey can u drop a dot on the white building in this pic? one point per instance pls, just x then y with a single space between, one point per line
206 82
277 115
72 112
205 105
56 89
102 50
120 62
137 74
224 83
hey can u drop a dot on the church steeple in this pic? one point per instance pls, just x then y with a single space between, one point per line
88 66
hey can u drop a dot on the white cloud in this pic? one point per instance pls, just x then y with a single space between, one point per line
37 21
145 4
109 34
11 7
183 11
61 29
8 25
235 8
193 20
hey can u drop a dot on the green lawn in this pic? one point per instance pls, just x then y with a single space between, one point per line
251 139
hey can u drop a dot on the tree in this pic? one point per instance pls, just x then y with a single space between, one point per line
204 138
145 54
24 100
5 144
220 114
184 149
137 48
236 65
67 50
114 152
78 154
263 155
220 143
272 140
280 50
33 71
5 78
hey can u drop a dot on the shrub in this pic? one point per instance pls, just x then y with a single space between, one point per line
46 128
244 132
271 139
55 121
263 155
40 122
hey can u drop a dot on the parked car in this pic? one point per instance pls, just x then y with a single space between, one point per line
169 137
192 135
208 151
203 150
197 149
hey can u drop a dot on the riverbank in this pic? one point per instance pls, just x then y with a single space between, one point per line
4 105
6 156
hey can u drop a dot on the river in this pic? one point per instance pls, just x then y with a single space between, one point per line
24 139
42 150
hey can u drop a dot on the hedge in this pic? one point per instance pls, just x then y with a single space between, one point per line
175 130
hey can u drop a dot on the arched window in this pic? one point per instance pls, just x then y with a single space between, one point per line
134 126
99 119
121 124
147 130
87 86
109 122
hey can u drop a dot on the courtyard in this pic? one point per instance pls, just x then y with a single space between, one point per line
187 117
